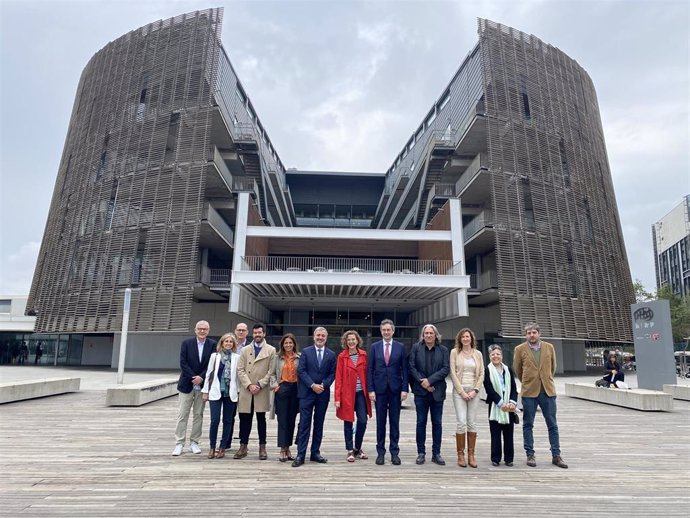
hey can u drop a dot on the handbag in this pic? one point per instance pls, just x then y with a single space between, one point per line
515 417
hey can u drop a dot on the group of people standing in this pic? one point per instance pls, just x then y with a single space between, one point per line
251 377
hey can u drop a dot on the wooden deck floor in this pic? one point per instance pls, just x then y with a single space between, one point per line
71 456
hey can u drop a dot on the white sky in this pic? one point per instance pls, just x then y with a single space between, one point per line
341 85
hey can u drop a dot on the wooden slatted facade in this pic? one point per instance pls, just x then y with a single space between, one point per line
560 254
128 200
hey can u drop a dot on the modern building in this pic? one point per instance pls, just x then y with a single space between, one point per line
671 238
498 210
15 327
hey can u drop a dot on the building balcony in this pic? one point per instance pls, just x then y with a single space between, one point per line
215 233
483 281
479 234
299 280
474 186
219 179
440 192
483 288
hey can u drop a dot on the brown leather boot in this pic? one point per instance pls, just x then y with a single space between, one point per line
241 453
471 442
262 452
460 446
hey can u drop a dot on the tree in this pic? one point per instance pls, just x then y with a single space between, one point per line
641 293
680 313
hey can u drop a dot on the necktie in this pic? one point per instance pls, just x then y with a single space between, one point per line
320 352
387 353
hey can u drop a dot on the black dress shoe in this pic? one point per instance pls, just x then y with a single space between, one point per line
297 462
494 463
437 459
380 460
509 464
395 460
318 458
421 458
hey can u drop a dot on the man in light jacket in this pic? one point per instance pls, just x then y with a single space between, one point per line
254 373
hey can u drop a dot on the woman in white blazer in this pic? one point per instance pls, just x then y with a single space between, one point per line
221 390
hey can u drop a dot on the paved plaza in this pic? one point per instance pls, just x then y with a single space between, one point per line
70 455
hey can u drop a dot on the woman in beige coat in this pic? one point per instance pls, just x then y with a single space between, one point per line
254 372
467 373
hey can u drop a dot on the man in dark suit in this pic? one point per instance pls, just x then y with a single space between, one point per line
194 355
316 372
429 366
387 384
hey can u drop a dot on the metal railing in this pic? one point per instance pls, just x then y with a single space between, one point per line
482 220
350 265
442 190
484 280
215 276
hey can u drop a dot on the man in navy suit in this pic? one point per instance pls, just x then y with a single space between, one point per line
316 372
194 355
387 384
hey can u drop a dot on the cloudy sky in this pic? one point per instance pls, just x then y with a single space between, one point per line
341 85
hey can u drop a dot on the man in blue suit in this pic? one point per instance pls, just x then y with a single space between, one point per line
194 355
316 372
387 384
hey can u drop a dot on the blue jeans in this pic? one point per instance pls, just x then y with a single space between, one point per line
361 412
548 409
228 410
425 405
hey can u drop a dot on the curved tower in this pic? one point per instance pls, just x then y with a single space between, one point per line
560 254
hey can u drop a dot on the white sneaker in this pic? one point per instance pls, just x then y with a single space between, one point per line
194 447
177 451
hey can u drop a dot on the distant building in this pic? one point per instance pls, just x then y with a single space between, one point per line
498 210
671 237
15 328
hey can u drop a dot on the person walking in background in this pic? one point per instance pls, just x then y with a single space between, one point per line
501 396
254 372
316 371
534 363
467 374
283 382
194 355
351 395
428 364
221 390
387 385
38 353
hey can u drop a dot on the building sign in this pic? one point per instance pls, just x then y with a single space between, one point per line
651 322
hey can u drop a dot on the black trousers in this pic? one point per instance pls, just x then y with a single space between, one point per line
287 408
246 426
506 430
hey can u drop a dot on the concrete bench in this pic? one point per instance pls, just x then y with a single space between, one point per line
678 391
137 394
638 399
29 389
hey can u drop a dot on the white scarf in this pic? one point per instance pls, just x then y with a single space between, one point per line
504 390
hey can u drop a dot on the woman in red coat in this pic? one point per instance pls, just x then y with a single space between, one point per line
351 394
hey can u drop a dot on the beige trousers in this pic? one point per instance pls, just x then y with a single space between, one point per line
189 402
